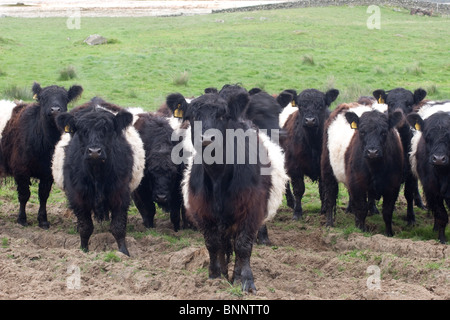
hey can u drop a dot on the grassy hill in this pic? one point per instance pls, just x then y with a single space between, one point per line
148 58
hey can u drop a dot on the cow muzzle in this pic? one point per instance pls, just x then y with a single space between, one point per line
207 140
373 153
439 160
94 153
310 122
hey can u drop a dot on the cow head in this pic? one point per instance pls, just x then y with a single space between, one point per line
436 134
163 175
372 130
400 98
95 130
54 99
313 106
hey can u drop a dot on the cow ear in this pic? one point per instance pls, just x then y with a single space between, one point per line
419 95
284 98
237 104
396 119
66 122
177 104
254 91
36 90
415 121
74 92
211 90
122 120
380 95
330 96
353 119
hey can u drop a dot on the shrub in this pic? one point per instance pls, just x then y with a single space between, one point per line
67 73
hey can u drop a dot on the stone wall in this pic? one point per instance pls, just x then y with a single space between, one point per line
437 8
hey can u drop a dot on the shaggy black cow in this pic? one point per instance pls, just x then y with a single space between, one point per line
226 195
161 183
303 142
430 159
98 167
262 109
28 141
362 149
405 100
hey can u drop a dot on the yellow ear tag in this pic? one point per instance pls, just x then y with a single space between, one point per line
67 129
178 113
417 126
354 125
381 100
293 103
35 96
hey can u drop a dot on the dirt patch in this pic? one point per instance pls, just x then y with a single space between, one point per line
302 263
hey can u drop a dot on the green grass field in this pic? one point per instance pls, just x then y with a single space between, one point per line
148 58
296 48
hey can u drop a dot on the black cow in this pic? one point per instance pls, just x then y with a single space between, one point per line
369 160
303 142
98 168
229 199
161 183
28 142
405 100
262 109
430 158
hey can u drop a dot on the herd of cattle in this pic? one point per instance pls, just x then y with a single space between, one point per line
104 156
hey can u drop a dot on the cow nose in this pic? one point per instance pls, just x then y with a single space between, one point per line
439 160
207 140
56 109
310 122
95 152
373 153
161 198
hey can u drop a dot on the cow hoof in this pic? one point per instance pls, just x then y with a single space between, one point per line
249 287
22 222
297 216
44 225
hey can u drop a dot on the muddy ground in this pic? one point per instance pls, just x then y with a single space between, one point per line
304 262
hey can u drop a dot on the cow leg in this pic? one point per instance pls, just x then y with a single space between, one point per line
410 187
436 205
85 227
388 209
212 242
118 229
372 206
359 205
23 190
175 215
263 236
299 189
243 246
146 208
289 196
417 198
45 185
330 191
